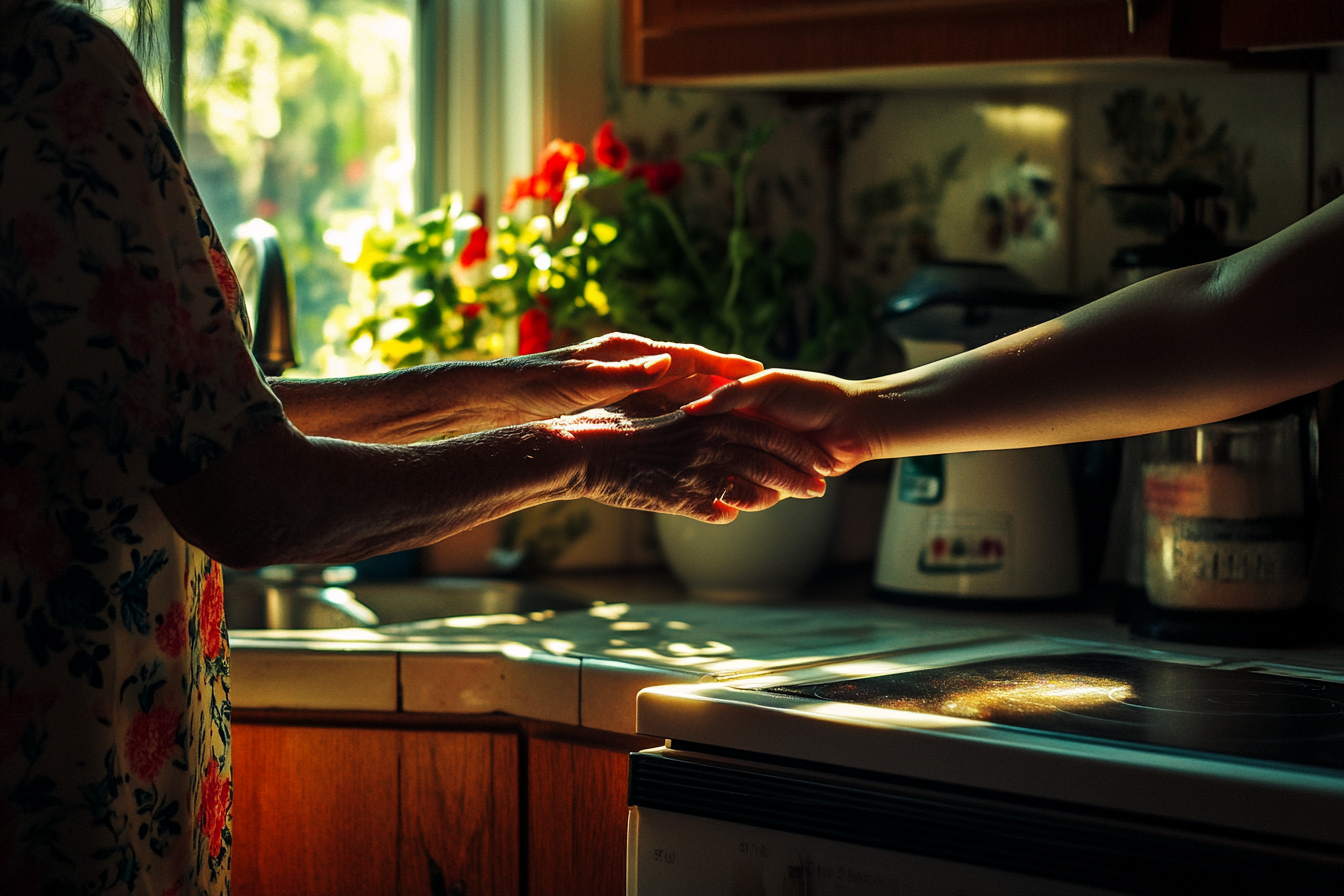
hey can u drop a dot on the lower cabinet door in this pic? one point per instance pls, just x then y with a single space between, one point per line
314 810
459 814
320 809
576 818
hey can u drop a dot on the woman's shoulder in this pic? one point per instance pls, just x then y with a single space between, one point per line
61 30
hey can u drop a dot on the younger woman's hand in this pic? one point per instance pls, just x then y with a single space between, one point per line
822 407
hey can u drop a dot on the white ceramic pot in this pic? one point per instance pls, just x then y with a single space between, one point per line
758 557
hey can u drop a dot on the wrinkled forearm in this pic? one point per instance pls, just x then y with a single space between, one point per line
403 406
281 497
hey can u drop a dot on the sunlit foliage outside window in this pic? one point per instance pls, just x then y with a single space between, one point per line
298 112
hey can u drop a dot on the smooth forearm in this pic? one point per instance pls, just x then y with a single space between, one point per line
1188 347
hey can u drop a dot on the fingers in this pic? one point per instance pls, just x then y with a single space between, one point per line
708 468
756 392
785 448
685 359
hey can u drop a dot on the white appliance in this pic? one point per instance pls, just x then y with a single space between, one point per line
993 525
1026 766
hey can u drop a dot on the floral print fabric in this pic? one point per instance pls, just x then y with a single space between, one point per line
123 368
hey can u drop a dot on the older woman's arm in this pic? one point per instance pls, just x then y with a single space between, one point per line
452 398
283 497
1187 347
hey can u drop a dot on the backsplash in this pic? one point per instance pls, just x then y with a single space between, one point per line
887 180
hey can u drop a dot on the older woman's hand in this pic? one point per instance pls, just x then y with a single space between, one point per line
707 468
603 371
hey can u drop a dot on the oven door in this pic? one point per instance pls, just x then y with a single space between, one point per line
742 825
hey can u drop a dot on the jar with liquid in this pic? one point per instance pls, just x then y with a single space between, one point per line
1226 530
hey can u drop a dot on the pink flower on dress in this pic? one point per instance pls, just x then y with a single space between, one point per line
213 814
171 635
143 315
81 110
150 739
38 240
212 611
228 280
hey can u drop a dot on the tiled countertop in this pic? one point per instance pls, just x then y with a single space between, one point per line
586 667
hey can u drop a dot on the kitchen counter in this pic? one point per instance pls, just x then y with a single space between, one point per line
585 667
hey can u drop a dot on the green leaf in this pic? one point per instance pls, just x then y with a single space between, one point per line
725 160
384 270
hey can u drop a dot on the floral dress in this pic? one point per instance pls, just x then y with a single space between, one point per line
121 370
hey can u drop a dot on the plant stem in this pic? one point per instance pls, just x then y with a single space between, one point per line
737 255
663 205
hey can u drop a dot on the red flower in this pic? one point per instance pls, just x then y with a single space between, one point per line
534 331
172 632
212 611
609 152
213 813
469 310
519 188
548 181
150 739
477 248
556 160
228 280
662 177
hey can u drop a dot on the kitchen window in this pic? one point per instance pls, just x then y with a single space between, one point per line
315 113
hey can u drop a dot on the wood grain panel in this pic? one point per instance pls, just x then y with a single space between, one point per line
314 810
1282 23
680 41
576 819
460 813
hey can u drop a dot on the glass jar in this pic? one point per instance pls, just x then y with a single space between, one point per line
1225 518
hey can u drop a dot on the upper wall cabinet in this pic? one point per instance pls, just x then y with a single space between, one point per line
853 42
1257 24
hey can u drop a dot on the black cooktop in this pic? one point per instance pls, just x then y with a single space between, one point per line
1237 713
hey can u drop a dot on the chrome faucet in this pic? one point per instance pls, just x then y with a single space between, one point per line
260 265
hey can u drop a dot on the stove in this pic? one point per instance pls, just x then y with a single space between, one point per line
1028 766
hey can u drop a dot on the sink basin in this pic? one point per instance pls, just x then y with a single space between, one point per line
253 601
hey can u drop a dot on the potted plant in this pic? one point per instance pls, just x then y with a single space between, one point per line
611 247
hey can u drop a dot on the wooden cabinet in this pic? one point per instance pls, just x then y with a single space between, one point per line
684 41
324 806
402 804
314 810
1257 24
576 809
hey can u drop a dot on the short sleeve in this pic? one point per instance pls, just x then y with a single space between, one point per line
124 309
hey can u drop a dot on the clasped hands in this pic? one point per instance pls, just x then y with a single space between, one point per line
680 429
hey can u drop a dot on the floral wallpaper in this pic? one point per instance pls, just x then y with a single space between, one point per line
886 181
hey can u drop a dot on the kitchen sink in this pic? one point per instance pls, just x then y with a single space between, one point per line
331 597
